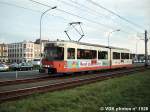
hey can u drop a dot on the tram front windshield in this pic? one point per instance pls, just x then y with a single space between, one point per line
54 53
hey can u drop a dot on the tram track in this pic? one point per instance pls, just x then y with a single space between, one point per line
47 77
26 80
37 79
64 84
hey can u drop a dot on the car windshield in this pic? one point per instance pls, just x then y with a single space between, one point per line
54 53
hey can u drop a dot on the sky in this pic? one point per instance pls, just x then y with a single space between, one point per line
20 20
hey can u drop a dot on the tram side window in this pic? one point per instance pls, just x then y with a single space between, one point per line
71 53
60 53
93 54
124 55
102 55
116 55
131 56
86 54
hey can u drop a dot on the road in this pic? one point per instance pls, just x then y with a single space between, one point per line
19 75
29 74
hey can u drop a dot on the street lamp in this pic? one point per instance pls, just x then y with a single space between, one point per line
41 26
111 33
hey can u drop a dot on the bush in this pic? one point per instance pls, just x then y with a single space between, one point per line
36 67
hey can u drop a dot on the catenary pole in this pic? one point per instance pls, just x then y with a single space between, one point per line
146 40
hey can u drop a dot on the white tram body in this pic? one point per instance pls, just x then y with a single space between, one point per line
70 56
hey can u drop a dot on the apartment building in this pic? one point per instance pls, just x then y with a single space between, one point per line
24 51
43 43
37 52
3 52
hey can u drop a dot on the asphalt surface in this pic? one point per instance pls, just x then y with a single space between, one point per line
12 75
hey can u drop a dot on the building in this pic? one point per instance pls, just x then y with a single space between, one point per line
43 42
37 41
3 52
22 52
37 51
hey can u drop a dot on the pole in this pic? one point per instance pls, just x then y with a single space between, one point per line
109 37
16 74
41 24
146 64
111 33
41 29
136 55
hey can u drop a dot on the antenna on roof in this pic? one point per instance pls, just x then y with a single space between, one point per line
79 30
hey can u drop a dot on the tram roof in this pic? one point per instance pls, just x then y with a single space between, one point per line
88 44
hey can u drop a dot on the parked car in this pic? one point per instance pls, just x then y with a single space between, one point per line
3 67
36 61
21 66
14 66
25 66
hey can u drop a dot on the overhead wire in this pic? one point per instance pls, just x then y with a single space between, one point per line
48 6
38 11
94 12
75 15
106 16
78 7
83 7
14 5
61 10
10 4
114 13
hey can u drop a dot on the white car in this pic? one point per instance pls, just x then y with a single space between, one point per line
36 62
3 67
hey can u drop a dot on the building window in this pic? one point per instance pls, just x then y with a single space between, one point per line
24 46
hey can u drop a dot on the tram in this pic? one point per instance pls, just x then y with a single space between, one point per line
69 56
